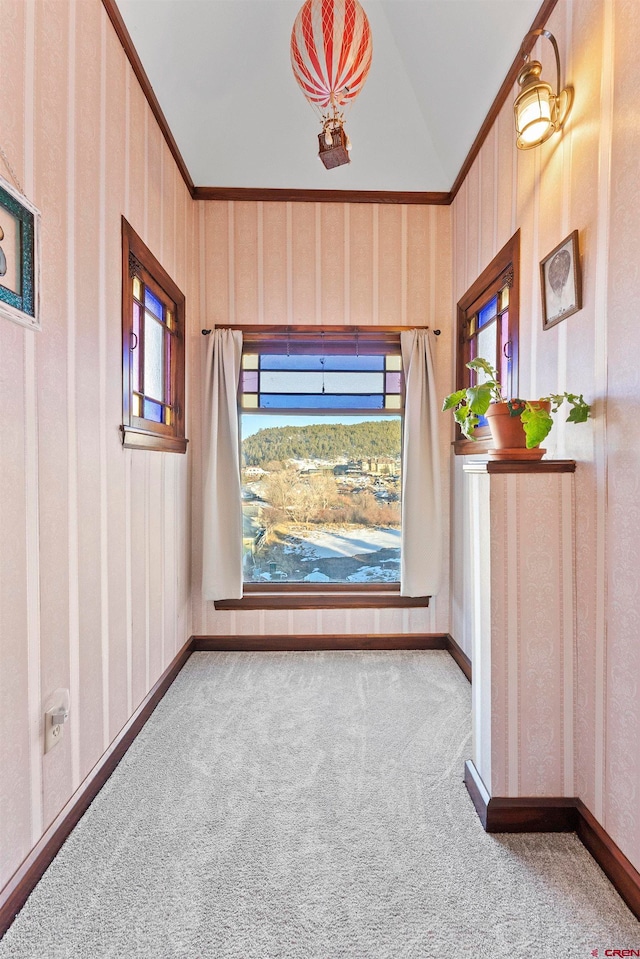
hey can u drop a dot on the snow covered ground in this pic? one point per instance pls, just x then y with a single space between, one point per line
322 544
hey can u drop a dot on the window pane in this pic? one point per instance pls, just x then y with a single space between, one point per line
487 344
488 312
250 381
319 362
249 401
393 362
250 361
137 288
135 405
135 352
393 382
152 411
321 498
319 401
393 401
504 298
153 358
153 304
310 382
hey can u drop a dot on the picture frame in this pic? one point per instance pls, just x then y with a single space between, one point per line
19 258
561 282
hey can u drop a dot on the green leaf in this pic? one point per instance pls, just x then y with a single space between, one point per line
537 425
454 399
481 364
467 421
479 398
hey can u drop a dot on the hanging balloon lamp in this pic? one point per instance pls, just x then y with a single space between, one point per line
331 51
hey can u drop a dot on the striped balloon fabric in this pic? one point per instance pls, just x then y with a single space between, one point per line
331 51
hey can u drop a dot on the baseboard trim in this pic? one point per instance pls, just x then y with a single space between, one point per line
613 862
312 643
556 814
16 892
460 657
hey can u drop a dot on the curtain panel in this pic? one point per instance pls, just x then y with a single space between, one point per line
421 496
222 507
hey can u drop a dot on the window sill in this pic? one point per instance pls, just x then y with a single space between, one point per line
482 444
137 439
309 596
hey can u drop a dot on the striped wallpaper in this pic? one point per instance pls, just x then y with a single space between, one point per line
586 180
94 539
323 263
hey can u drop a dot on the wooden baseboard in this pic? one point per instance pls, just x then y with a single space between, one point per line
310 643
522 814
14 895
613 862
460 657
556 814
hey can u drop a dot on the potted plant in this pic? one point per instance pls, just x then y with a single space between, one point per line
529 420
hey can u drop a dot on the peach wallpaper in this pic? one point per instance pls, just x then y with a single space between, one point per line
99 546
94 541
585 179
323 263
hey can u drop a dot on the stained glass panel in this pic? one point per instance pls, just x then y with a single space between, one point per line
488 312
488 346
318 363
135 349
153 304
250 381
250 361
393 362
152 411
137 288
153 358
272 381
393 382
320 401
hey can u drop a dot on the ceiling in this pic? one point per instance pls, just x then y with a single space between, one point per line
221 72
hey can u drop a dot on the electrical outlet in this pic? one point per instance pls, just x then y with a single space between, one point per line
53 732
55 717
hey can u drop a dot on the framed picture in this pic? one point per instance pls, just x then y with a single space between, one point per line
19 258
561 282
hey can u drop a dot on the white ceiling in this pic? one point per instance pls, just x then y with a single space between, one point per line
222 75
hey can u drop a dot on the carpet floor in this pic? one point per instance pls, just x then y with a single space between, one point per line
311 806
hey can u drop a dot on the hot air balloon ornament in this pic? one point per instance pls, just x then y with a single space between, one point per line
331 50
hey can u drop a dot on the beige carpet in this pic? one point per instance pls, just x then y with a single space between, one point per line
311 806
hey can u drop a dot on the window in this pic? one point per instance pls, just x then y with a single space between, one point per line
152 351
488 327
321 425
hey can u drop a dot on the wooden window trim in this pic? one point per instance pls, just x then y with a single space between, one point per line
272 339
136 432
490 281
319 596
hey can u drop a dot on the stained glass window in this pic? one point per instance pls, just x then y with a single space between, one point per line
488 322
153 370
321 381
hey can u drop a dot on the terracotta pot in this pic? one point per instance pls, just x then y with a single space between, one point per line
508 434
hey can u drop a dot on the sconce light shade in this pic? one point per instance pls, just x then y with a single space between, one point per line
538 111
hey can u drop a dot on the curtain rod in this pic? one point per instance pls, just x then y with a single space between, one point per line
355 332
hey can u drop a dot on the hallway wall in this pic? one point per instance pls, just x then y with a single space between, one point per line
315 263
585 179
94 539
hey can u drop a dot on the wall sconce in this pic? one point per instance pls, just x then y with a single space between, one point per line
539 112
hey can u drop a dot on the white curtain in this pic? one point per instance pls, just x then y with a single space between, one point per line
222 512
421 499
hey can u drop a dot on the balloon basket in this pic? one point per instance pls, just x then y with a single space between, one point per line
336 154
